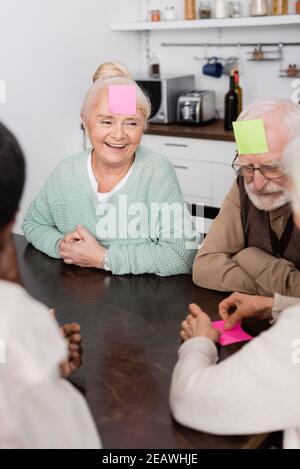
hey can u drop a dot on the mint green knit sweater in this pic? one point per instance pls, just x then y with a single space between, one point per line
67 199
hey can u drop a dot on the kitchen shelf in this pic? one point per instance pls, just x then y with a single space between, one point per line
208 23
285 75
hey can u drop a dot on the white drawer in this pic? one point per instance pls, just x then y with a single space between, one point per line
175 147
222 179
194 178
191 148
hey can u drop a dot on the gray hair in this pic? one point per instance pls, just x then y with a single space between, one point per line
291 159
289 110
143 102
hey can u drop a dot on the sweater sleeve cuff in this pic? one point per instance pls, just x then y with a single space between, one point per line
200 344
280 303
57 246
254 261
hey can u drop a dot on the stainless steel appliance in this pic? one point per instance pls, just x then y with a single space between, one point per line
196 107
164 93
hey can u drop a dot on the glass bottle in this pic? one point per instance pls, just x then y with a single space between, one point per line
220 9
231 106
190 9
235 9
259 7
280 7
239 91
205 9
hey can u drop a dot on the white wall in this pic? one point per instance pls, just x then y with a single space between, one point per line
49 50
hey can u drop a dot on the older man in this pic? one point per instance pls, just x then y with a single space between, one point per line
253 245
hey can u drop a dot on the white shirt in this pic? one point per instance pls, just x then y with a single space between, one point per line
104 196
256 390
38 408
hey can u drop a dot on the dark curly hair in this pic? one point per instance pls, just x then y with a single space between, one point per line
12 175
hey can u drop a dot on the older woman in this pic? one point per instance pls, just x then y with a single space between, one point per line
118 205
257 389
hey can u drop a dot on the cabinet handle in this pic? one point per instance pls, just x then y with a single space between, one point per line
179 166
184 145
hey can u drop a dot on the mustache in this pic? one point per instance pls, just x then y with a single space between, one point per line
270 188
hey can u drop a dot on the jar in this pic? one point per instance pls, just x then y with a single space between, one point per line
259 8
220 9
280 7
154 67
170 13
292 70
190 9
155 15
235 9
205 10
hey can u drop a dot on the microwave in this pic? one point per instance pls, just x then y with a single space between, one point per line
163 93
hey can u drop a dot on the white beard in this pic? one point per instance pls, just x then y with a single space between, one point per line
268 202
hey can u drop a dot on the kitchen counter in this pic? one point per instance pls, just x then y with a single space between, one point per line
212 131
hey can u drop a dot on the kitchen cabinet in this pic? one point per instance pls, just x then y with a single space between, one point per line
203 167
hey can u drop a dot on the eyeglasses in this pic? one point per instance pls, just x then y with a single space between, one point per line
247 170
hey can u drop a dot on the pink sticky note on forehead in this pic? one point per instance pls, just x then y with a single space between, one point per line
231 337
122 99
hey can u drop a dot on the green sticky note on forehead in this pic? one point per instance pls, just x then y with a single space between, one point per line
250 137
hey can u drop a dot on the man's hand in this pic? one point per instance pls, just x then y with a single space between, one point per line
72 333
239 306
198 324
84 252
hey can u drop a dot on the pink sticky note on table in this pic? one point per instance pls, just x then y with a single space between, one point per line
233 335
122 99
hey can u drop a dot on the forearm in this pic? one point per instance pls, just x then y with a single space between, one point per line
44 238
281 303
270 274
241 395
219 272
162 259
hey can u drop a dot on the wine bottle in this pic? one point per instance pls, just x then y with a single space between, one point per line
231 106
238 90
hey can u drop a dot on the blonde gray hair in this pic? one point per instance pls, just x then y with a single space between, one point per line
289 110
114 73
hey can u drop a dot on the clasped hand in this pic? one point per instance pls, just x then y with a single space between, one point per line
81 248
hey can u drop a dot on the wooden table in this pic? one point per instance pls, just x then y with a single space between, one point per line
130 326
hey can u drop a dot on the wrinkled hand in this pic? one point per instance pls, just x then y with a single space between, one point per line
239 306
198 324
72 237
72 333
84 252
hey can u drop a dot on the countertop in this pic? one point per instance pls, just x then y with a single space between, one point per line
212 131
